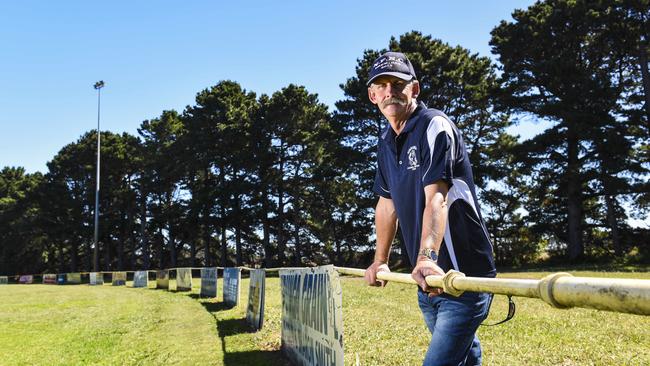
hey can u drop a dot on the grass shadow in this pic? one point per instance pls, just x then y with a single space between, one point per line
179 291
254 358
233 327
199 297
158 288
230 327
216 306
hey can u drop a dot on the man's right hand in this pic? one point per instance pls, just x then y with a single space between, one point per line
371 273
423 268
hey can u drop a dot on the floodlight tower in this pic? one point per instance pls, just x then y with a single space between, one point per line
98 86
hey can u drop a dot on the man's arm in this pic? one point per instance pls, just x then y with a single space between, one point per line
434 222
386 227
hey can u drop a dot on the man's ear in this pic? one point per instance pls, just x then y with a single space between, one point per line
415 89
372 96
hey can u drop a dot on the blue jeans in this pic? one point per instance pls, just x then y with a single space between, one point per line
452 322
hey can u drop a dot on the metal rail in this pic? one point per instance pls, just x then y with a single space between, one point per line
560 290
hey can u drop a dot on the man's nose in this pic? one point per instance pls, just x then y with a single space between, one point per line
390 89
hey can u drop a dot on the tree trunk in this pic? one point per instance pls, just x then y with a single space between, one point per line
107 253
238 245
144 245
207 232
645 76
209 260
496 245
224 244
193 253
263 173
266 226
280 216
194 236
337 243
574 198
350 257
296 238
161 250
172 248
613 225
89 257
132 235
120 243
170 228
120 254
73 257
62 263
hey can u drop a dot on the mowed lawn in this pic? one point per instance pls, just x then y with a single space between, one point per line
106 325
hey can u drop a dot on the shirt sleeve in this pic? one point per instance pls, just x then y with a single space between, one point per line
381 186
438 152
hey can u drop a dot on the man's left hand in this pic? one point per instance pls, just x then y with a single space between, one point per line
423 268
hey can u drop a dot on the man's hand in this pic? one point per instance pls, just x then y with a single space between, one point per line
426 267
371 273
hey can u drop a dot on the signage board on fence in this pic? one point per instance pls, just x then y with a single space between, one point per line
312 322
231 281
209 282
183 279
49 278
141 279
61 279
119 278
26 279
73 278
255 309
96 278
4 280
162 279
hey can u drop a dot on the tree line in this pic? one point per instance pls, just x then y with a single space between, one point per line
273 180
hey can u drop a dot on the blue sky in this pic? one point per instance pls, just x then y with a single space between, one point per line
156 55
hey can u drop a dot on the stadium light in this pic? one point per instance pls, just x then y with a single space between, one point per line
98 86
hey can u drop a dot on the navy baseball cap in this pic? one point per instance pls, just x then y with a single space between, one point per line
392 63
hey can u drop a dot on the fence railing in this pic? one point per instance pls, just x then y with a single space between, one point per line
560 290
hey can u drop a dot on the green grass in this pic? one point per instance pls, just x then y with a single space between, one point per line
105 325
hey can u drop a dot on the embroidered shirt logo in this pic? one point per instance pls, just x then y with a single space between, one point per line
413 158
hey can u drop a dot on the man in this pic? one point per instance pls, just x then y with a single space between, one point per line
424 180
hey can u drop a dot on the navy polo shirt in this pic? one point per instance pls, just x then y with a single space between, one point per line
430 148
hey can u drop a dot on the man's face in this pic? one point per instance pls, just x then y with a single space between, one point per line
393 96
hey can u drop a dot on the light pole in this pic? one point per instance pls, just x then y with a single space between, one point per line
98 86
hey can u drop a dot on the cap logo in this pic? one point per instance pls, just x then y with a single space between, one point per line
388 62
